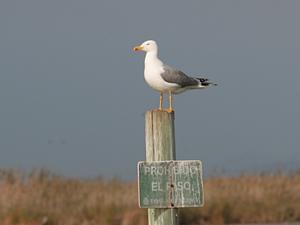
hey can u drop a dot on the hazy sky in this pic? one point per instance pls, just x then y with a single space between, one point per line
72 92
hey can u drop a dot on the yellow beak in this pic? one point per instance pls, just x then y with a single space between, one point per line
138 48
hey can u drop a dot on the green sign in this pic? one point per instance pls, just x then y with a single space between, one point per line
170 184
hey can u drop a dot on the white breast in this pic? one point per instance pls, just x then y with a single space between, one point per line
153 69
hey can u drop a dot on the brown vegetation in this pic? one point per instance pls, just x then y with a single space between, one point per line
43 198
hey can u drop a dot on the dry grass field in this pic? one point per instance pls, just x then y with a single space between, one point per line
43 198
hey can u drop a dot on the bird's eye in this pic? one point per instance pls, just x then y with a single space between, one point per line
148 44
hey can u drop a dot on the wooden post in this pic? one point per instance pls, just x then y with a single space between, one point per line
160 146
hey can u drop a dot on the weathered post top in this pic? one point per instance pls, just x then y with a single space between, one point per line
160 135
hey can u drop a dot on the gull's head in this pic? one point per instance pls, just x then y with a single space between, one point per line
147 46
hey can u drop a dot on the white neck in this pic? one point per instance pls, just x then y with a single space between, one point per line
152 57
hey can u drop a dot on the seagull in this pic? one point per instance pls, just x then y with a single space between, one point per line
164 78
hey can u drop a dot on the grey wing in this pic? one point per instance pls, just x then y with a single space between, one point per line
171 75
